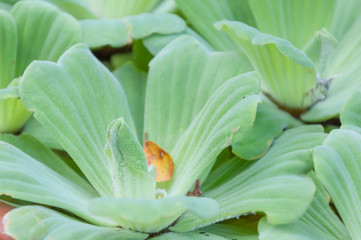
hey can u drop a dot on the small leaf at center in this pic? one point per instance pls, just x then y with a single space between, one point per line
160 159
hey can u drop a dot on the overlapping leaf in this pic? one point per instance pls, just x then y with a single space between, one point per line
318 222
120 32
152 215
35 222
179 86
296 21
133 82
337 164
22 177
59 96
127 163
275 184
287 74
270 122
344 71
33 30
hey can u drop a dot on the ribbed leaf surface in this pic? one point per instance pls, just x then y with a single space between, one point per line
24 178
179 86
318 222
33 31
338 164
275 184
287 74
152 215
270 122
296 21
344 69
75 100
35 222
120 32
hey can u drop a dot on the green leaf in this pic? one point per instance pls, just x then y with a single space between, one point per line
318 222
203 14
227 117
346 14
35 222
133 81
319 50
168 115
195 235
8 40
75 100
78 8
231 232
34 30
350 115
296 21
51 33
120 8
127 163
276 184
36 150
270 122
9 92
156 42
13 115
120 32
337 164
287 74
343 73
35 129
152 215
24 178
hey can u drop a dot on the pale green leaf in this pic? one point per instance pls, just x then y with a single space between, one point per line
78 8
195 235
350 115
35 129
231 232
133 81
75 100
226 118
343 72
152 215
120 8
347 13
275 184
318 222
179 86
156 42
24 178
44 33
337 164
9 92
203 14
34 30
296 21
13 115
127 163
120 32
8 39
286 73
270 122
40 223
36 150
319 50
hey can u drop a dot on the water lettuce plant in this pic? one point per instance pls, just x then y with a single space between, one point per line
146 127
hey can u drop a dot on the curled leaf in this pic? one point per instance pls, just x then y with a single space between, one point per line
160 159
